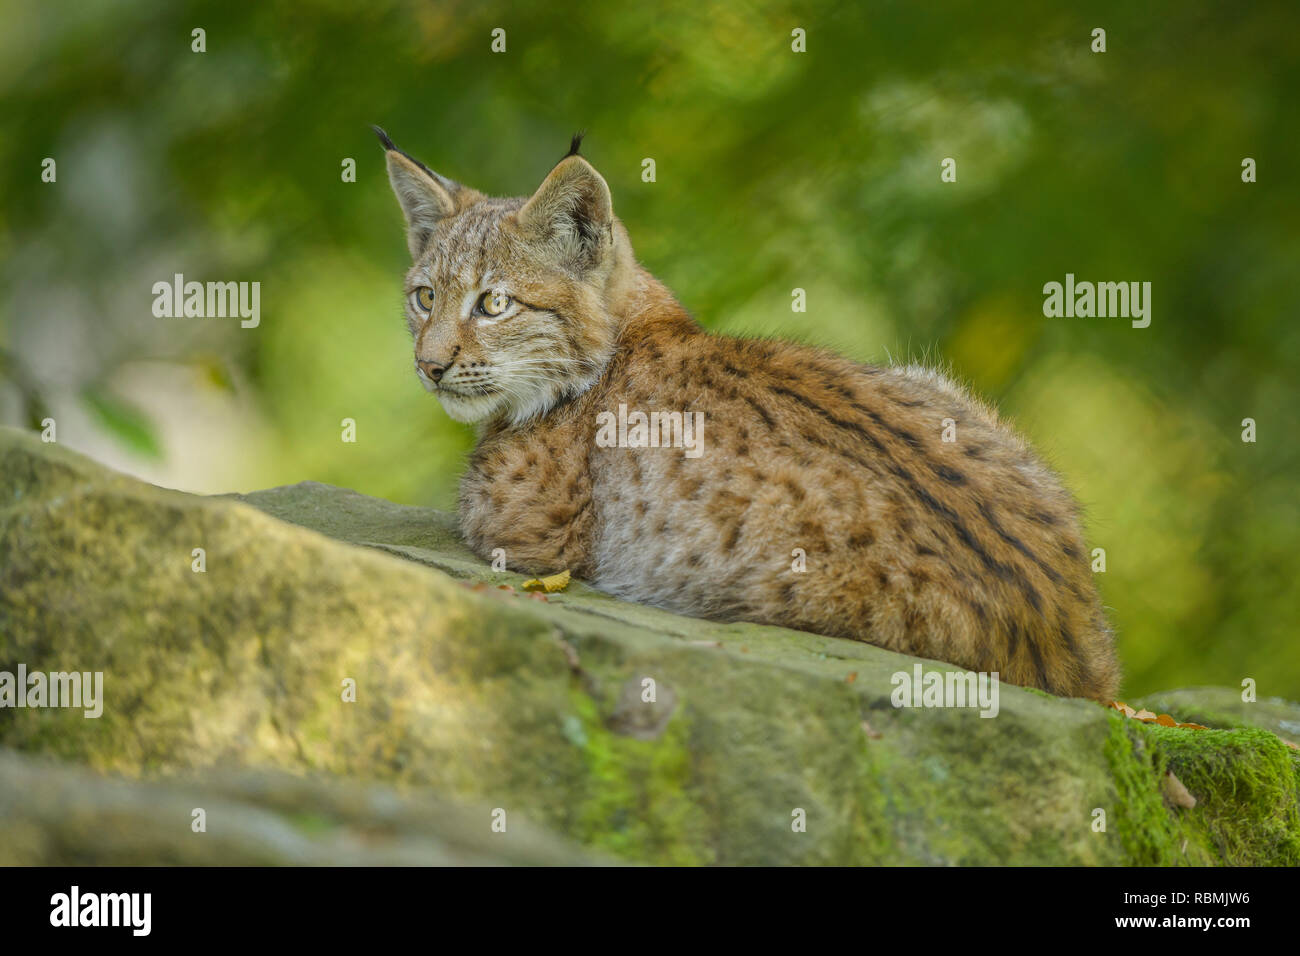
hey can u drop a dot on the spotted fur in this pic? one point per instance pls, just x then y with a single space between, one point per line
967 551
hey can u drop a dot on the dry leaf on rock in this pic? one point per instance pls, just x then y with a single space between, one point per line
551 584
1175 792
1147 717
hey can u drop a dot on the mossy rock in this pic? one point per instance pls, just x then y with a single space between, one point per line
493 697
53 814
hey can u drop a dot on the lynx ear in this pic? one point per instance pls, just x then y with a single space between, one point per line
571 212
425 197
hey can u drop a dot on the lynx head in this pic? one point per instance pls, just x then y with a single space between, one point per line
509 300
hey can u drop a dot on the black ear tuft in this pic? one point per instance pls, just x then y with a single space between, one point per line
392 147
575 145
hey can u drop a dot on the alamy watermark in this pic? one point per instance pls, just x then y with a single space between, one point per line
1123 300
84 689
179 299
130 910
946 689
637 429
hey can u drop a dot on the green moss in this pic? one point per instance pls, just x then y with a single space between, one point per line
1245 782
1146 830
891 800
1247 790
636 803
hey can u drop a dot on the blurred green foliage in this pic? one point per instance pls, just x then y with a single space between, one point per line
775 170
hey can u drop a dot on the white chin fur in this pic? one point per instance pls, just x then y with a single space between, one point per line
469 408
476 408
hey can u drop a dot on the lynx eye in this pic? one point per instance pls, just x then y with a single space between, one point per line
423 298
493 303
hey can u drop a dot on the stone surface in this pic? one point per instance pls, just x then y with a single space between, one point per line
471 690
53 814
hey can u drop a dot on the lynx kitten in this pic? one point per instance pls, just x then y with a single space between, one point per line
822 494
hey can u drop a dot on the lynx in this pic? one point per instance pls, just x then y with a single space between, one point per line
881 504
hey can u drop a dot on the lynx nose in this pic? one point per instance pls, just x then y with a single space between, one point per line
432 369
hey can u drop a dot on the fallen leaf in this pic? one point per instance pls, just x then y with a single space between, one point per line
852 677
1147 717
1175 792
551 584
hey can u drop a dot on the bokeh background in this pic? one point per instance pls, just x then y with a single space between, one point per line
775 170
